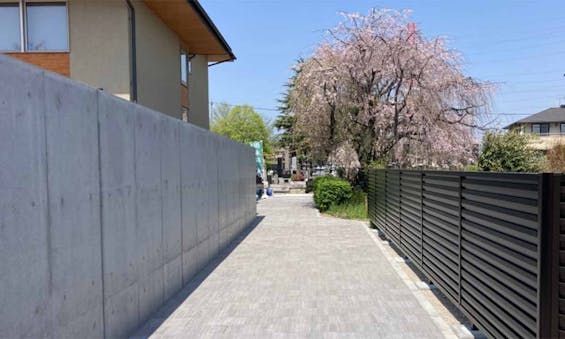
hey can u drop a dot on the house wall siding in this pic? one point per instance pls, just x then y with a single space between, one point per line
544 142
99 43
51 61
184 96
198 92
158 63
100 56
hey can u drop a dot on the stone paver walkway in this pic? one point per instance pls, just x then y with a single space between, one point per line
296 275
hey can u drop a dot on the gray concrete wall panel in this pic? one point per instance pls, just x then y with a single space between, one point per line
74 207
202 190
171 202
121 312
170 185
149 209
107 208
148 184
151 292
189 196
173 276
117 122
119 230
24 238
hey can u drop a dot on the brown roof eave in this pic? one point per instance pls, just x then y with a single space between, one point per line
213 29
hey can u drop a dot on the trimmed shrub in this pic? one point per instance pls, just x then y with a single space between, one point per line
330 191
317 180
509 152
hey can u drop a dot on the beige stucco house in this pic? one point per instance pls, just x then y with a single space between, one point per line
548 125
154 52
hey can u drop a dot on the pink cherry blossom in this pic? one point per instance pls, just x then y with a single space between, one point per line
382 90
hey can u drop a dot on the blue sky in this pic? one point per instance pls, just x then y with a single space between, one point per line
520 45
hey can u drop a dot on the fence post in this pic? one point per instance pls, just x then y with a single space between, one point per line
373 193
548 308
385 216
400 213
460 233
422 219
369 194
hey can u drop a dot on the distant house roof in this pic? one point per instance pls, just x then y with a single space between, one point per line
553 114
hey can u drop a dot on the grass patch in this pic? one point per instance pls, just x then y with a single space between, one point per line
356 208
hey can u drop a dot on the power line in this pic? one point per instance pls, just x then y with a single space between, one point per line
506 59
555 25
509 114
506 49
548 90
499 75
254 107
514 82
506 99
274 109
550 32
489 113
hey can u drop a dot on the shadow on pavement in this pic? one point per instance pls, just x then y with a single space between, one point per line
157 318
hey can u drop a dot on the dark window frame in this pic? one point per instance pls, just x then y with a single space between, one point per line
25 21
542 128
23 6
184 74
15 5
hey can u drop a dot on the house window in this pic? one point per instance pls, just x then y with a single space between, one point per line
10 38
542 129
562 128
183 68
45 26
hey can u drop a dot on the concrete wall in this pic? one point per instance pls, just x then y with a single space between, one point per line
99 44
107 208
198 92
158 62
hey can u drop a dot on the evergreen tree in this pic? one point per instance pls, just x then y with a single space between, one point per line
289 137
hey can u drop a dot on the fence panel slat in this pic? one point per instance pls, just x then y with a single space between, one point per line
479 236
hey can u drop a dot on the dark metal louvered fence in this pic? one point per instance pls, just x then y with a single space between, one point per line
490 241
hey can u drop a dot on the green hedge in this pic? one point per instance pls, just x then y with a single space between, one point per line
330 191
317 180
